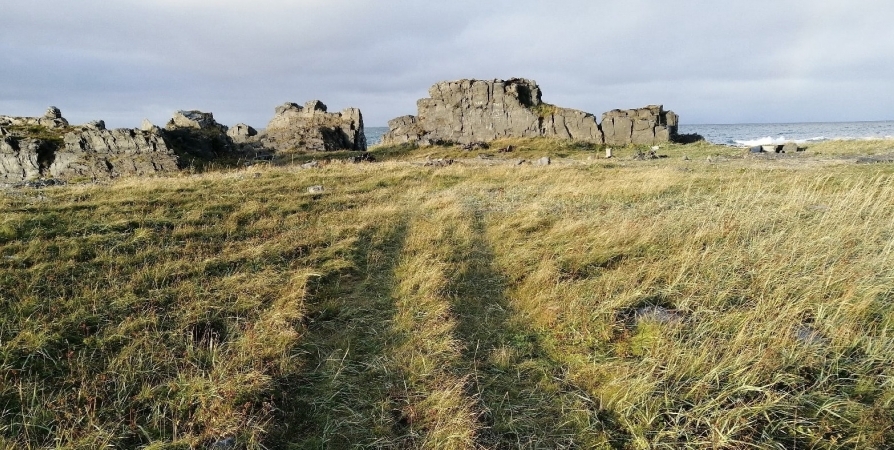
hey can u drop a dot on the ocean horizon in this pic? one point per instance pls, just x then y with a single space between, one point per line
751 134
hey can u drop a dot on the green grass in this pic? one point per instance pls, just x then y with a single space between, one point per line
479 305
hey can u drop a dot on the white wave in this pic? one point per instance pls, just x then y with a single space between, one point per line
769 140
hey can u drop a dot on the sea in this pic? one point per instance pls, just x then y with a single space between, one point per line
751 134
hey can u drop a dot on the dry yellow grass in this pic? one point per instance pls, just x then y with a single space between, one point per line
717 302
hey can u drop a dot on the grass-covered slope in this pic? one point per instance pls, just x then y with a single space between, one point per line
587 304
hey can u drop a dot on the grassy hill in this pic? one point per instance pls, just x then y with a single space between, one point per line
719 300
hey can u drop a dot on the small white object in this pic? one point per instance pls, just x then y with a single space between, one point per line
608 152
315 189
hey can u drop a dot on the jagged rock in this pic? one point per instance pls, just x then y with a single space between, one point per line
104 154
241 133
403 130
197 134
644 126
467 111
96 125
194 119
53 113
149 126
51 119
19 159
313 128
315 105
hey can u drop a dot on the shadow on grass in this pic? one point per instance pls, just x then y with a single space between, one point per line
338 400
526 402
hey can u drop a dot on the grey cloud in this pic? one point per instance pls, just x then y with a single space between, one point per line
709 61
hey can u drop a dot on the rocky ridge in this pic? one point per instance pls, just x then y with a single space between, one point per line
467 111
48 147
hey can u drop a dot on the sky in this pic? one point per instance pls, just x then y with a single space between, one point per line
756 61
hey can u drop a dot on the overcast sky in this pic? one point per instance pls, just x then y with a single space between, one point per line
710 61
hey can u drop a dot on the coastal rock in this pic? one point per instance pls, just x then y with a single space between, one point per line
19 159
403 130
643 126
311 127
105 154
466 111
790 147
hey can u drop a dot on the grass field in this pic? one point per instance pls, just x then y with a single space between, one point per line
714 301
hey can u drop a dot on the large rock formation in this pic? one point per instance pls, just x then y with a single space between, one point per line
43 147
311 127
49 147
650 125
104 154
467 111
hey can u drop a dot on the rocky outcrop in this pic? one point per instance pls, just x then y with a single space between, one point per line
51 119
48 147
194 119
313 128
195 134
101 154
644 126
42 148
241 133
19 159
468 111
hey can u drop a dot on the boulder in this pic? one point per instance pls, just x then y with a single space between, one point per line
52 118
311 127
53 113
95 125
105 154
790 147
241 133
